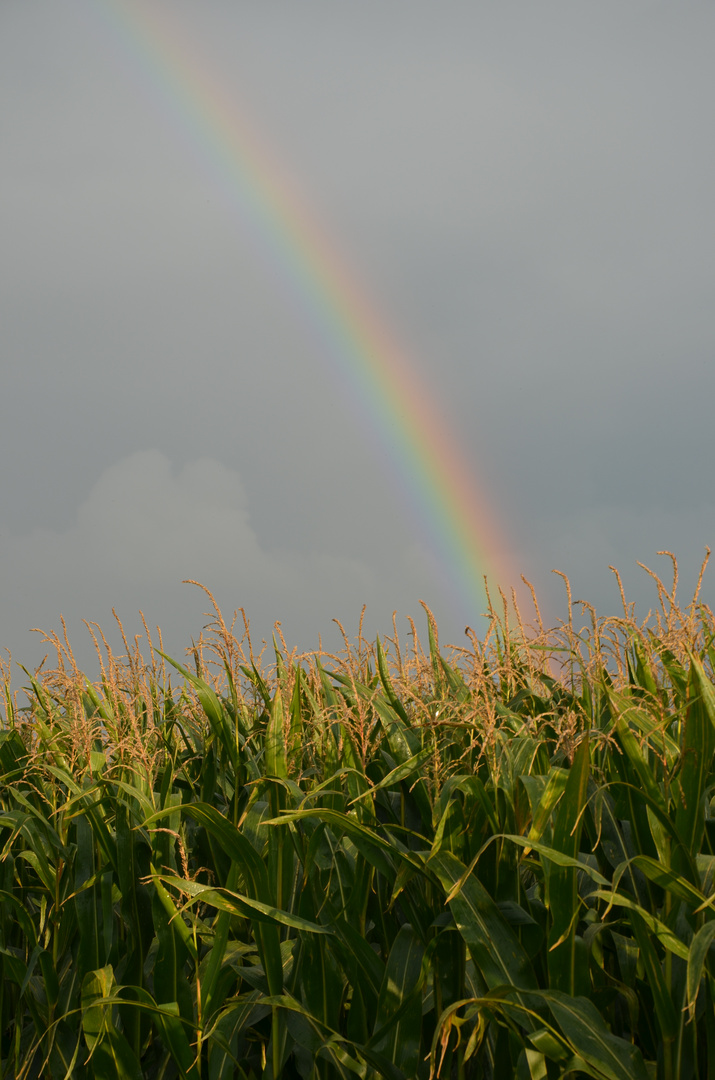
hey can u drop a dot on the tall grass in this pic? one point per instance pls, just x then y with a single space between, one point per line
400 861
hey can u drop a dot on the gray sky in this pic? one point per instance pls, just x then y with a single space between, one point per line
525 189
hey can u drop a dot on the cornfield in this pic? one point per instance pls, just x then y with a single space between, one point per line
399 861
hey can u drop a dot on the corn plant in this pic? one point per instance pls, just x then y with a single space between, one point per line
399 862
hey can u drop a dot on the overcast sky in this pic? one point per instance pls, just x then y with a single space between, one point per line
526 192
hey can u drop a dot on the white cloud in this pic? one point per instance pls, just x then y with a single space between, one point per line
142 529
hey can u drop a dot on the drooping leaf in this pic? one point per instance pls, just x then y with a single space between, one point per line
584 1028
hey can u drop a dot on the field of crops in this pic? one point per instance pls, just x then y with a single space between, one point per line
401 861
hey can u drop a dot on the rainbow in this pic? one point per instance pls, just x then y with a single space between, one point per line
417 440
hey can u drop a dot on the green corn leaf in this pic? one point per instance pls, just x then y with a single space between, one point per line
41 823
401 772
668 1020
38 864
93 811
275 751
697 957
281 854
589 1037
544 803
703 689
233 842
221 929
387 682
107 907
253 872
13 756
459 691
551 1046
320 981
401 1043
663 834
434 655
449 834
474 789
627 952
29 970
215 712
98 704
646 780
295 727
240 711
136 910
663 933
557 857
664 877
112 1057
35 854
243 1012
14 968
21 916
112 1050
259 682
358 784
643 675
493 945
135 899
567 962
343 1062
367 967
330 694
170 982
135 796
698 746
376 850
174 1037
175 921
535 1063
245 906
403 742
329 1042
85 900
612 843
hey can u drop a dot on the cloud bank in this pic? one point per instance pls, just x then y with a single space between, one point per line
143 528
